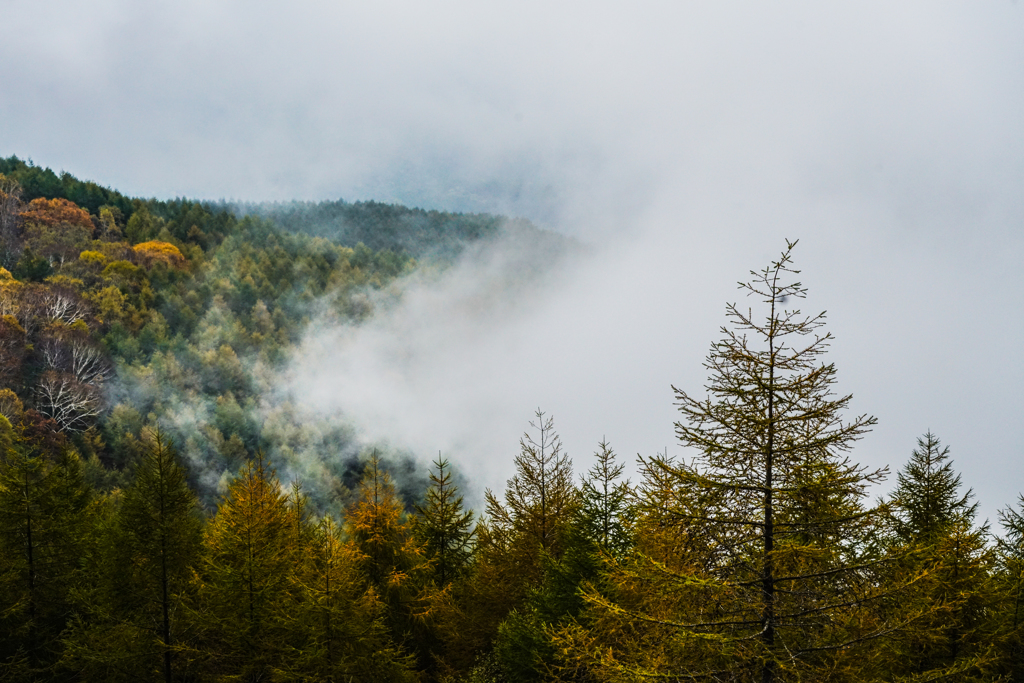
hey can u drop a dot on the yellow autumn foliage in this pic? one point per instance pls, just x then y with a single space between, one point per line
154 250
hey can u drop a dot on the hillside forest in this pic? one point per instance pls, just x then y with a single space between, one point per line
161 520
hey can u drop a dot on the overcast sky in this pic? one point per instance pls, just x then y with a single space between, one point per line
684 141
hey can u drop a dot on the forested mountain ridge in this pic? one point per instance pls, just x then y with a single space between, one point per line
161 519
194 305
379 226
387 226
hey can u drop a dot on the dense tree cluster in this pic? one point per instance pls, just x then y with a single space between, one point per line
155 526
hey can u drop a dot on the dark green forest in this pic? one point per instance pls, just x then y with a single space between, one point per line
160 521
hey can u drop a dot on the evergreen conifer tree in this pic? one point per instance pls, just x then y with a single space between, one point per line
933 522
603 503
46 524
928 498
444 527
1010 585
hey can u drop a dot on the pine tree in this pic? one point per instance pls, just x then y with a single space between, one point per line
757 567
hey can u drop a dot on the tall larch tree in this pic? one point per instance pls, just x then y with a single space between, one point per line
760 570
131 622
388 554
251 552
340 623
1009 577
523 532
160 523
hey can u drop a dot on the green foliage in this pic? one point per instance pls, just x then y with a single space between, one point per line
933 522
387 229
444 527
927 500
130 623
752 560
604 503
251 550
46 522
165 320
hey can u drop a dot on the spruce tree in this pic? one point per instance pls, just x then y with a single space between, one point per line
933 525
444 527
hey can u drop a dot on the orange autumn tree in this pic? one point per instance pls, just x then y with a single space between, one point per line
51 212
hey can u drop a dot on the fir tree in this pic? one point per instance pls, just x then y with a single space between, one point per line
933 524
603 503
444 527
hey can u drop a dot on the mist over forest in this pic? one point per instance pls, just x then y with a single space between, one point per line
248 441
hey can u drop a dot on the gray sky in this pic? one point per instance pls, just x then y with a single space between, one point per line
685 140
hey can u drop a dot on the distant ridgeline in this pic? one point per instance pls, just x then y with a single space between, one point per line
416 232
